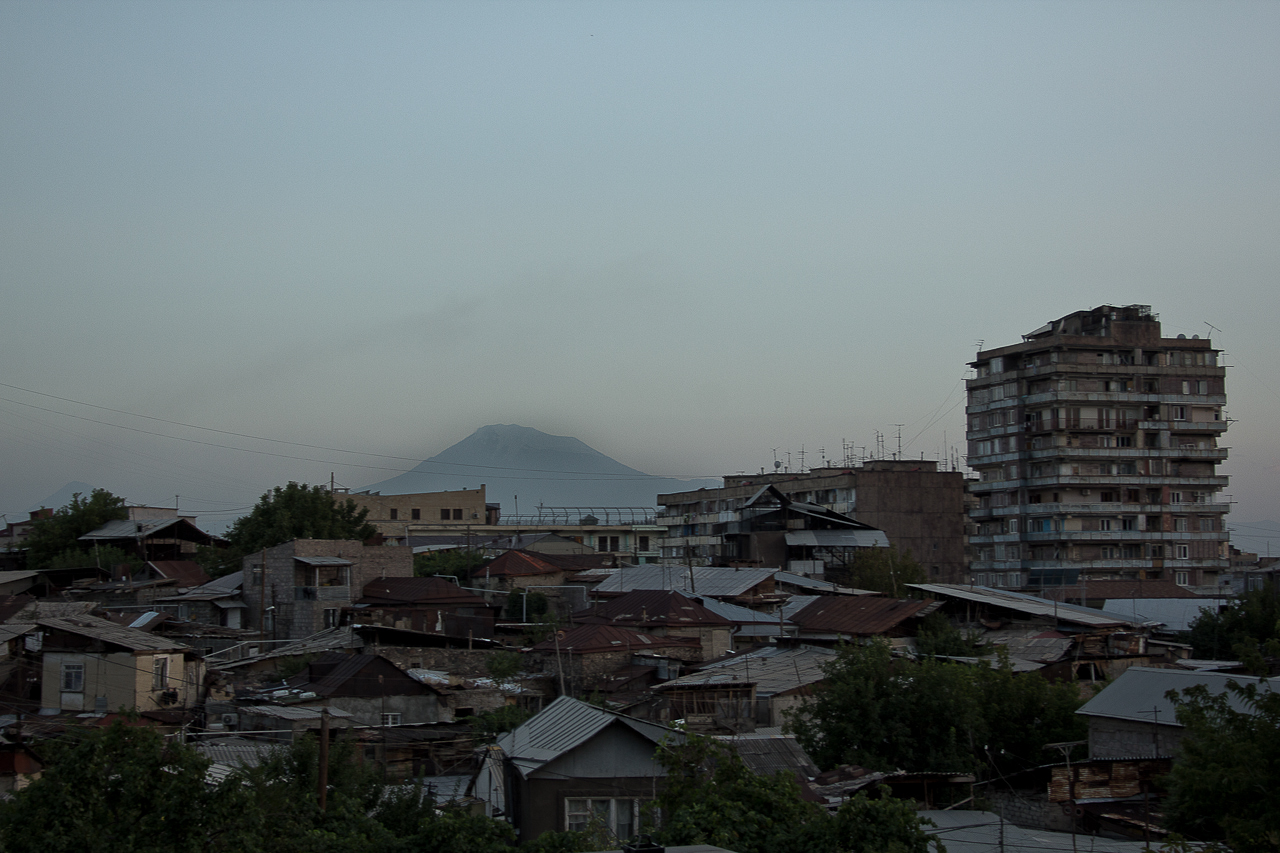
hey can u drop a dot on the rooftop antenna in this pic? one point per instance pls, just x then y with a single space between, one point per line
802 458
898 455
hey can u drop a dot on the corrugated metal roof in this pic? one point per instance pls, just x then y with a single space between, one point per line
863 616
984 832
766 755
706 581
564 725
590 639
324 561
1029 605
736 613
1176 614
405 591
516 564
652 607
772 670
818 586
1104 589
295 712
186 572
1138 694
110 632
838 538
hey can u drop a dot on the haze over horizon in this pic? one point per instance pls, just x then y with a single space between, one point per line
252 243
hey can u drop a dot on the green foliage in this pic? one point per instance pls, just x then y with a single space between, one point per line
125 790
886 714
885 570
57 537
1225 785
1248 630
526 605
460 564
122 788
713 798
490 724
597 838
298 511
937 637
503 665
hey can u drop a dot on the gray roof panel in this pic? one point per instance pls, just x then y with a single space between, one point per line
1138 694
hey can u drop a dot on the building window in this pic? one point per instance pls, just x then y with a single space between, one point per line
391 719
1206 525
643 543
160 673
415 514
1104 524
444 515
331 617
1182 578
1181 552
1180 523
73 678
395 513
457 514
621 817
1178 413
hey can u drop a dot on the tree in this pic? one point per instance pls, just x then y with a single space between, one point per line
1248 630
712 797
887 714
56 540
298 511
125 789
1225 784
455 562
885 570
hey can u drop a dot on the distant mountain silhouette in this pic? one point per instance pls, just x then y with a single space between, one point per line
542 469
63 496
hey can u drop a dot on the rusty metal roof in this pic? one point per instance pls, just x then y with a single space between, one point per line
589 639
859 616
516 564
405 591
652 607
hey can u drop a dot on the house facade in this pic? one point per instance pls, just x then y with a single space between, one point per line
307 582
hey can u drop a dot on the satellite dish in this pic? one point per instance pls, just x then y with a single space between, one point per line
777 463
1182 337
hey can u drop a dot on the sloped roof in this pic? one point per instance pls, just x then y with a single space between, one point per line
126 528
766 755
1029 605
652 607
185 572
1105 589
563 726
110 632
984 832
337 673
771 669
517 564
227 585
432 590
590 639
706 581
1176 614
1138 695
861 616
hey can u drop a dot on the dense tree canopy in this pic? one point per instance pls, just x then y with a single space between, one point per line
711 797
125 789
1248 630
456 562
888 714
1226 783
299 511
54 541
885 570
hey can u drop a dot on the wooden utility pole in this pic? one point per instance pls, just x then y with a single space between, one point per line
322 784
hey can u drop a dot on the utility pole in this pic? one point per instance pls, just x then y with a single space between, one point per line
322 783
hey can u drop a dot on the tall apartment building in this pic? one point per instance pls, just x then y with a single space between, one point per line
919 508
1096 444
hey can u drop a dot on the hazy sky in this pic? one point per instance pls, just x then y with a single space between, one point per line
685 233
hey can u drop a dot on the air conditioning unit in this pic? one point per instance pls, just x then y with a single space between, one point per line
1086 492
231 721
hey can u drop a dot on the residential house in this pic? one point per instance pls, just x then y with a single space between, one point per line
374 691
308 581
218 602
918 507
429 605
164 539
584 657
841 618
746 587
572 767
741 692
1132 717
663 613
84 663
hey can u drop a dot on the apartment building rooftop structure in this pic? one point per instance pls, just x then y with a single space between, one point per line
919 507
1096 444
